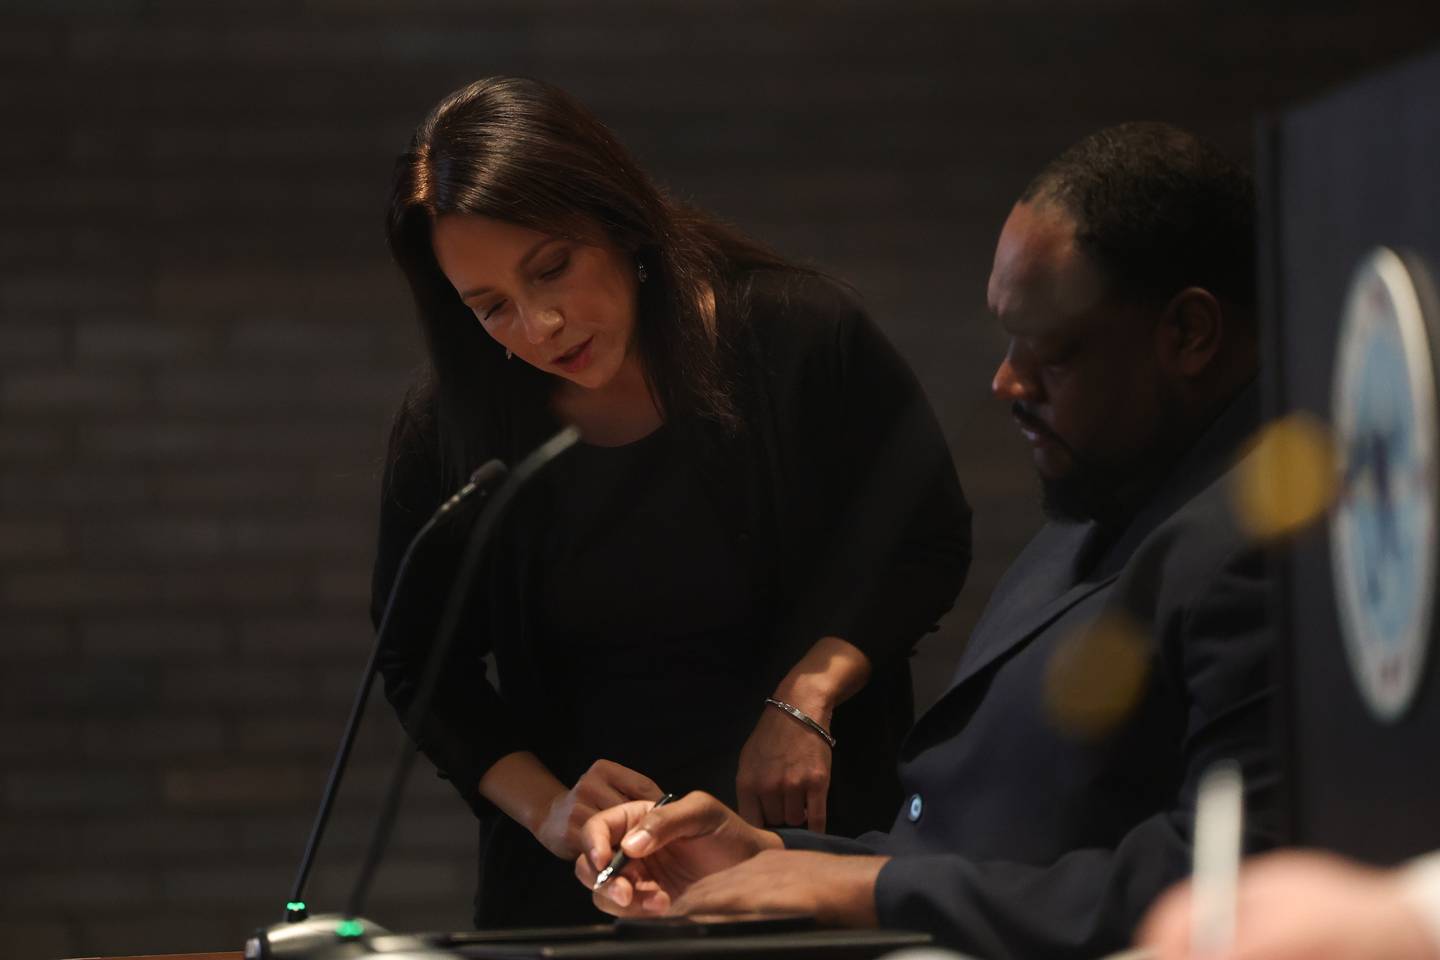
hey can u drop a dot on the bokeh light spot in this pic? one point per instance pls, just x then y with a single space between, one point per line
1096 677
1288 479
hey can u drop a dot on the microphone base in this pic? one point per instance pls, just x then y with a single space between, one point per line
334 936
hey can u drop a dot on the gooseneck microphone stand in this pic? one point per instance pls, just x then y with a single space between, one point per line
449 625
346 934
481 481
298 931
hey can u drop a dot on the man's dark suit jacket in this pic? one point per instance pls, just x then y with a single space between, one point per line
1022 837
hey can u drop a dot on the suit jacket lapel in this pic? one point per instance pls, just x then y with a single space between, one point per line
1043 583
995 644
1019 613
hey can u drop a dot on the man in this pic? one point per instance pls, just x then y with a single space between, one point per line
1050 789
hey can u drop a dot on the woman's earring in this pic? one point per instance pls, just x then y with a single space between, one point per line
641 272
508 354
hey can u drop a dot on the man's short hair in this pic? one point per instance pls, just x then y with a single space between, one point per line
1158 209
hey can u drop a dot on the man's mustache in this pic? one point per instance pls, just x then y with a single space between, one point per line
1034 423
1041 427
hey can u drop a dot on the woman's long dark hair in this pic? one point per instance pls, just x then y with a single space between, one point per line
525 152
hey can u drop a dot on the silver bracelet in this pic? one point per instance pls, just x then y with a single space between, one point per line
803 717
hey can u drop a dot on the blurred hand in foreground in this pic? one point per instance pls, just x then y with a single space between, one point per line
1302 905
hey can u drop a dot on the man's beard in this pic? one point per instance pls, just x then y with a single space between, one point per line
1109 490
1080 495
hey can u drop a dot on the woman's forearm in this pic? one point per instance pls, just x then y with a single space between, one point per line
831 672
522 787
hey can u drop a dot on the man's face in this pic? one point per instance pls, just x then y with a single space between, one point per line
1081 372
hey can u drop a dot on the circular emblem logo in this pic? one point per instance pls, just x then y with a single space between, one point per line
1383 528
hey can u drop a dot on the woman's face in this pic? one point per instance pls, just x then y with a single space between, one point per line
562 306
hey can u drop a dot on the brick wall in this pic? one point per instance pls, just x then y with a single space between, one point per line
201 343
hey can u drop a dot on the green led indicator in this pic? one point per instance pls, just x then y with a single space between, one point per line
349 929
295 905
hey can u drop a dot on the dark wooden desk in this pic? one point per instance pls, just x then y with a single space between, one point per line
233 955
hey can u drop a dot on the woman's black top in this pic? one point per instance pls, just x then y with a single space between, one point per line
666 686
640 602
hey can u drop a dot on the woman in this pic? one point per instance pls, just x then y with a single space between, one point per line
762 507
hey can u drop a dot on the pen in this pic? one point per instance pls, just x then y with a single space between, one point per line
617 862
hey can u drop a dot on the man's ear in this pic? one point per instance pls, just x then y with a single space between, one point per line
1192 328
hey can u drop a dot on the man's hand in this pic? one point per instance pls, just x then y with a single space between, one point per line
604 785
836 890
1296 905
670 849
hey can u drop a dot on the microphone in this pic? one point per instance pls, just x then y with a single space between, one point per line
485 478
347 933
449 625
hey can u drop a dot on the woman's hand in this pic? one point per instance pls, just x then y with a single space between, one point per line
671 849
603 786
784 774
